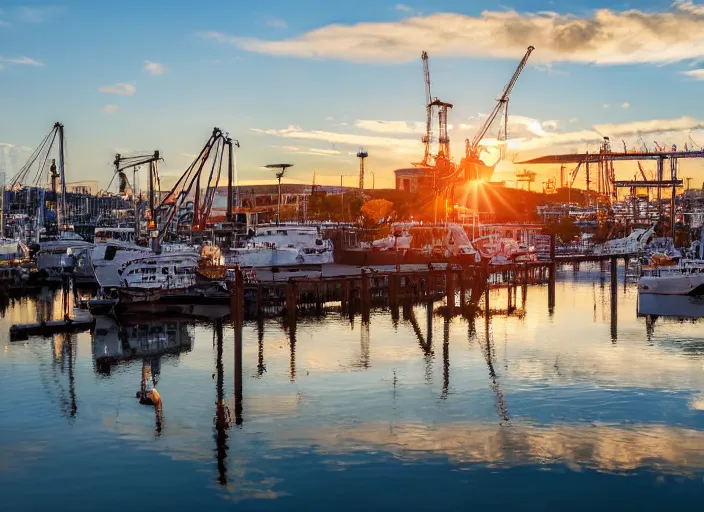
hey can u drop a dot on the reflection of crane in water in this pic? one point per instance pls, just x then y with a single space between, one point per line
148 395
425 342
487 351
222 420
64 358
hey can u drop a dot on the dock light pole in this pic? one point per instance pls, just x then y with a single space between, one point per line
280 174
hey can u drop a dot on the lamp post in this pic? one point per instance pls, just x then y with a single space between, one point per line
280 174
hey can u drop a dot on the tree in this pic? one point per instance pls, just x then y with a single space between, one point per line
376 211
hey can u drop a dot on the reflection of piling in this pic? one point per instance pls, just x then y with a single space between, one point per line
445 357
450 289
237 315
614 303
221 419
365 297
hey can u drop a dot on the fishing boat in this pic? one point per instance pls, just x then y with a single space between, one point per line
280 245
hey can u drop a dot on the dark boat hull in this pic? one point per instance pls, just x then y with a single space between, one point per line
360 257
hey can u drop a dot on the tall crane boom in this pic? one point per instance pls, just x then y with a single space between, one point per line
472 148
428 109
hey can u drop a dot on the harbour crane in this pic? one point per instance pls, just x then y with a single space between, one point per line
218 147
122 163
428 111
472 150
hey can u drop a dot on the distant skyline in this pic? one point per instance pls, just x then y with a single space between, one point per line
310 82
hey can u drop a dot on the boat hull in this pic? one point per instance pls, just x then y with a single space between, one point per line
141 295
360 257
692 285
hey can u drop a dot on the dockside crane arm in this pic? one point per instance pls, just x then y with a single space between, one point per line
573 174
472 147
428 110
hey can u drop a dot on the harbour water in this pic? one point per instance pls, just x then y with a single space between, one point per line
581 406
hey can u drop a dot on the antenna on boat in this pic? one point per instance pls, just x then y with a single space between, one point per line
279 175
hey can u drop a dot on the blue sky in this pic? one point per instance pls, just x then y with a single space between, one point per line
319 92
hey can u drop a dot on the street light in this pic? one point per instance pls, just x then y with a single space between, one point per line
279 175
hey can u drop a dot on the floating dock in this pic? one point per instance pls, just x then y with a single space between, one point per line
81 321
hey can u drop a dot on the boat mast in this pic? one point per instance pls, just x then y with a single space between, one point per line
61 203
231 177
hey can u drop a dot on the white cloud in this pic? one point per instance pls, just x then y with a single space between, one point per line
22 61
605 105
121 88
311 151
404 8
697 74
687 6
350 139
110 108
603 37
154 68
398 127
276 23
37 14
547 68
525 134
625 104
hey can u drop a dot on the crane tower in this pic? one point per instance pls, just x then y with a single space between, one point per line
361 154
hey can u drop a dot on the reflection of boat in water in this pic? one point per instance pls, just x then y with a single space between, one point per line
673 306
115 341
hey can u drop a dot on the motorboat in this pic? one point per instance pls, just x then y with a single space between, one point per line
284 244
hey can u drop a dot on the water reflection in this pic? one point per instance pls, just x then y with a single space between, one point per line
536 382
130 338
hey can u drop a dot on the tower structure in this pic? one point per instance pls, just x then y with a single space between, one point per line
362 154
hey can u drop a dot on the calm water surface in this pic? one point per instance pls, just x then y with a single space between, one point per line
586 406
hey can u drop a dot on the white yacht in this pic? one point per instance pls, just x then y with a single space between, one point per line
116 246
282 245
150 278
685 278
